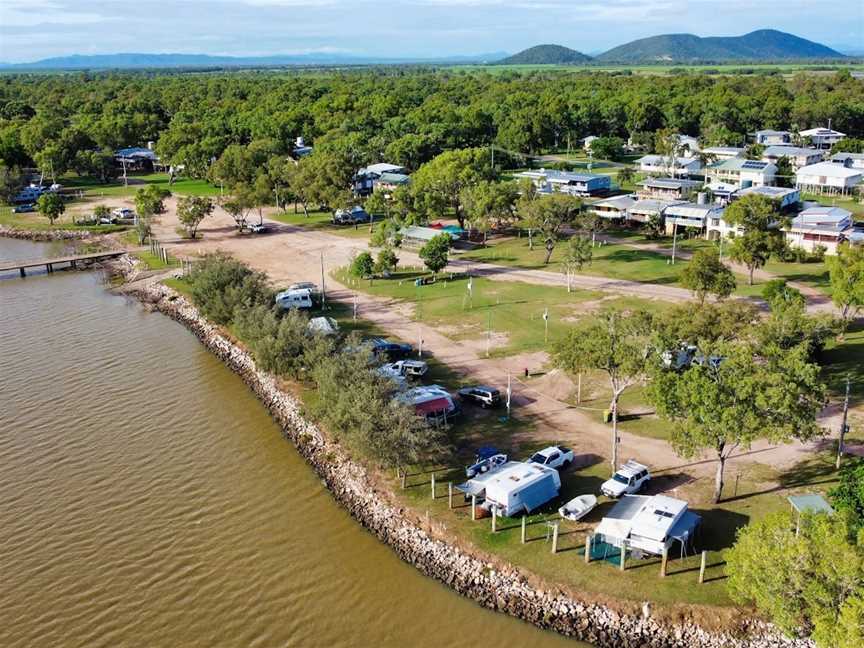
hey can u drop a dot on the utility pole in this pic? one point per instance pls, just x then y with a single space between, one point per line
323 290
674 239
844 428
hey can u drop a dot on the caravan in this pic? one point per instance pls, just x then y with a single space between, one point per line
519 487
288 299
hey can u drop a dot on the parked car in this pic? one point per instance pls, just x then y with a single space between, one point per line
123 212
388 349
556 457
629 479
259 228
353 216
409 368
23 209
107 220
482 395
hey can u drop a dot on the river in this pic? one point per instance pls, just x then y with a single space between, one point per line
147 499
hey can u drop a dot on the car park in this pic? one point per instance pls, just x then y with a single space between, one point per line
628 479
557 457
481 395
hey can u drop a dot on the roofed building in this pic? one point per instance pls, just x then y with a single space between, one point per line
823 137
828 177
663 165
617 208
849 160
785 196
668 188
723 152
820 226
690 215
772 137
741 173
576 184
799 157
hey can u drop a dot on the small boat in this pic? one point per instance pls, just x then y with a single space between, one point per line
578 507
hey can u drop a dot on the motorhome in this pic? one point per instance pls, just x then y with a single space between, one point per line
519 487
301 299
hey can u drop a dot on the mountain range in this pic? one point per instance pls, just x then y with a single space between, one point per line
766 45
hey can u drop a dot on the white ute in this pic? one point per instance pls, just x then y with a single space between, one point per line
553 457
628 479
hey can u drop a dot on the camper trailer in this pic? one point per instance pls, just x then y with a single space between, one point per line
648 524
301 299
430 401
519 487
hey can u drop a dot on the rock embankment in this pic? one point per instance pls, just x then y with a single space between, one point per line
503 589
44 235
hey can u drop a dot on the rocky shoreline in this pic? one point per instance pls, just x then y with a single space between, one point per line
494 586
44 235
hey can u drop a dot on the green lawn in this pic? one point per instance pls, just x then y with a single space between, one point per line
34 221
154 262
322 222
814 275
184 186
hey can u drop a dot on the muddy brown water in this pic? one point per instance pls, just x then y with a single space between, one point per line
147 499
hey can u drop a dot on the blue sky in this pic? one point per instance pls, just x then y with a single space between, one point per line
34 29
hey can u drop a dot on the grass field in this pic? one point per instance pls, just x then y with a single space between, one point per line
184 186
322 222
34 221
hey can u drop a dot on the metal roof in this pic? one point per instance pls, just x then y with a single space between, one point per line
789 151
670 183
810 503
829 169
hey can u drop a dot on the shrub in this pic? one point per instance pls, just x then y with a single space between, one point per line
222 285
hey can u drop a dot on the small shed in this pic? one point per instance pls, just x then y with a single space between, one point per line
808 503
417 236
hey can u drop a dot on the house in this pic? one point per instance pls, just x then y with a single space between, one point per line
549 181
692 215
828 177
617 208
772 137
389 181
136 158
820 226
688 144
650 524
799 157
662 165
668 188
849 160
364 179
822 137
741 173
788 198
648 209
723 152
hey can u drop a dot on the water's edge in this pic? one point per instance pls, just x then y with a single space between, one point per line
496 587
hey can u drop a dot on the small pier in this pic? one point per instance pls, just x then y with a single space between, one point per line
71 261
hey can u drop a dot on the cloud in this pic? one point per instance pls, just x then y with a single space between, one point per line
20 13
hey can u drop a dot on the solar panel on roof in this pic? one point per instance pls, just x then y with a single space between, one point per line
753 164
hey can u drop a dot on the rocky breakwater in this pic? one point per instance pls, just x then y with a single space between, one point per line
494 586
44 235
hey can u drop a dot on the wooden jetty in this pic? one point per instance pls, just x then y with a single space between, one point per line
70 261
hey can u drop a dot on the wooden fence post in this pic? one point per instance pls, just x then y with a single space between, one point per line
524 518
433 485
587 548
702 568
663 562
473 507
404 478
450 495
555 538
494 519
622 566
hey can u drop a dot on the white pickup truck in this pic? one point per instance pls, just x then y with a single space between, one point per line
628 479
553 457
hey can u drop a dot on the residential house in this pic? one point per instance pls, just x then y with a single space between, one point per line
667 166
688 145
364 179
576 184
820 226
740 173
617 208
668 188
786 197
773 137
723 152
648 209
799 157
849 160
828 178
823 137
690 215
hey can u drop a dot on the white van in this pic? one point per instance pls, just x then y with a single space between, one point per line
301 298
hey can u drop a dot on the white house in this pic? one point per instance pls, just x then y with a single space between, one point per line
668 188
723 152
576 184
692 215
617 208
786 197
642 211
771 137
823 137
799 157
741 173
849 160
820 226
828 177
662 165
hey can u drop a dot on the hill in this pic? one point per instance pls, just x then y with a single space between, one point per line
760 45
545 55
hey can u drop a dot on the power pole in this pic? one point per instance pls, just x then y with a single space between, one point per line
674 239
323 290
844 428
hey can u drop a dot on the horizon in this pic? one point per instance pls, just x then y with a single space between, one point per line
33 30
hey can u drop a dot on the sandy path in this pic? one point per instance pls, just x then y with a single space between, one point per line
292 253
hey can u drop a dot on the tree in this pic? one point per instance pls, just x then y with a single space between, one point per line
438 184
550 215
191 210
101 211
846 272
848 496
238 207
362 266
754 151
221 287
778 291
690 323
732 399
489 204
436 253
785 175
387 261
149 200
789 325
626 174
576 255
806 575
607 148
757 215
615 343
51 205
706 274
